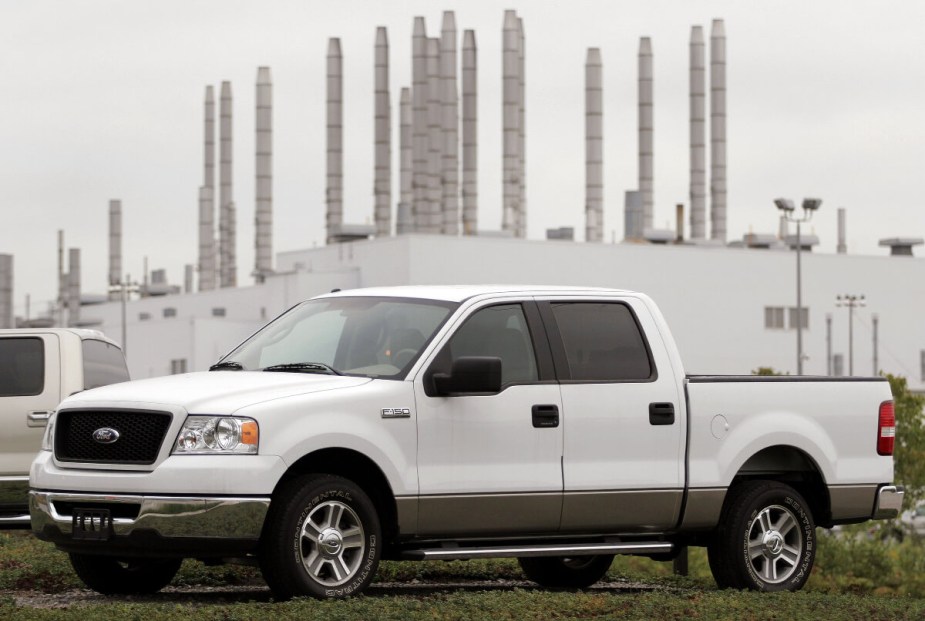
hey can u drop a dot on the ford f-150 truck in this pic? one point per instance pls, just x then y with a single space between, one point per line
38 368
554 425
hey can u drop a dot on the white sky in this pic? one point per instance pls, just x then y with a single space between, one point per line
103 99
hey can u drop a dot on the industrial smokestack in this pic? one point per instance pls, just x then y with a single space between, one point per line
73 287
842 244
698 188
188 278
206 239
382 185
208 179
226 244
404 220
335 163
645 130
6 291
511 123
434 223
263 222
469 132
62 281
419 95
450 118
632 216
679 223
522 127
718 131
115 247
594 147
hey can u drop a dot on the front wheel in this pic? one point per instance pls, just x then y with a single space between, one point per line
131 576
766 540
570 572
321 539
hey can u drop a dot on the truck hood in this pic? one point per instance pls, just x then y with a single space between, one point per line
216 392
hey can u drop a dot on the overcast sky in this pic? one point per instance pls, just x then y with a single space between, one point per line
103 99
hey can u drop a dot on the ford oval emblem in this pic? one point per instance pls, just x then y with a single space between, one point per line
106 435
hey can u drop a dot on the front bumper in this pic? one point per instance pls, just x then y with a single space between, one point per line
153 525
889 502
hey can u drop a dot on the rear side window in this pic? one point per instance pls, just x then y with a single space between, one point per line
602 342
22 367
103 364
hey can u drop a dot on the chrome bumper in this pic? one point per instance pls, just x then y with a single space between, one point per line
889 502
169 516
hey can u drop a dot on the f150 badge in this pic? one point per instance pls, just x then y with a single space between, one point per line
396 413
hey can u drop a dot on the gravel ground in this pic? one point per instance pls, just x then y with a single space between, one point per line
205 595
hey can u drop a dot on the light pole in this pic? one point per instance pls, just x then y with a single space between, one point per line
124 288
852 302
786 207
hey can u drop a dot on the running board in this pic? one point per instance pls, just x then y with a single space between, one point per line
14 520
578 549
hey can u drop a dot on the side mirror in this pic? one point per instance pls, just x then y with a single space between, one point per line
470 375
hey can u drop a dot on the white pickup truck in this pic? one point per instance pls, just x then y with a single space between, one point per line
555 425
38 368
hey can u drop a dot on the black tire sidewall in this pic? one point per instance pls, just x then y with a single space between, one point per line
790 499
320 491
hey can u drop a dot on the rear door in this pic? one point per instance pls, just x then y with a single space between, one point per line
30 379
622 413
491 464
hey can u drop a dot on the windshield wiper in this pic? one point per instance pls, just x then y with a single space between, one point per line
227 365
304 367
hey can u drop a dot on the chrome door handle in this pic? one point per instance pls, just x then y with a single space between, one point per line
37 419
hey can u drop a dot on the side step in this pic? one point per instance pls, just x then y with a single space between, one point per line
577 549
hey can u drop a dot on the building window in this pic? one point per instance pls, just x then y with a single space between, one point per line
218 311
793 318
178 366
144 316
170 312
774 317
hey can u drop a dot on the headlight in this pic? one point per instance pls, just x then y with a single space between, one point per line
203 435
48 438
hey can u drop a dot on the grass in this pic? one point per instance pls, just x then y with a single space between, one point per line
855 578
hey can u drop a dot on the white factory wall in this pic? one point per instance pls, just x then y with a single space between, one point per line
713 298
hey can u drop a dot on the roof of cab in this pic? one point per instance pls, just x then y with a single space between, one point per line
460 293
83 333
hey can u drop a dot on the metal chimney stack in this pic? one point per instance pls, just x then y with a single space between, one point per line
594 147
62 282
698 189
646 131
207 200
263 222
404 219
718 131
115 247
511 117
434 222
469 134
73 287
522 127
6 291
226 244
842 244
382 185
335 139
188 278
419 94
450 117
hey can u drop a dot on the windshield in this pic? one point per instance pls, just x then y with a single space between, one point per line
373 337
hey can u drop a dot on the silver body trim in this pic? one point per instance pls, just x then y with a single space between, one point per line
580 549
14 520
852 502
889 502
14 490
171 517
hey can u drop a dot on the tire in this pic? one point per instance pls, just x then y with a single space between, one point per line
766 540
131 576
569 572
322 539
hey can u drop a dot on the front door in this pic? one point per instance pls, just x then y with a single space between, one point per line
491 464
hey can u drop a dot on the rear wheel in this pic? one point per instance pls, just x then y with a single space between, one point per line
320 539
766 540
570 572
131 576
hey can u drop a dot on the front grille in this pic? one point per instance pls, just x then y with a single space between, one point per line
140 435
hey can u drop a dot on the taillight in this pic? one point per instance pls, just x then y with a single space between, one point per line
886 429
